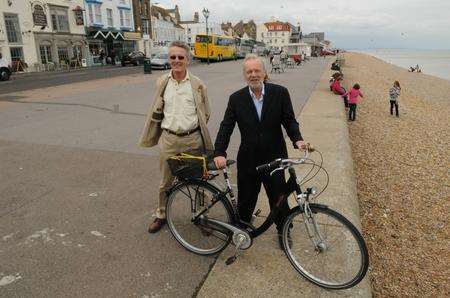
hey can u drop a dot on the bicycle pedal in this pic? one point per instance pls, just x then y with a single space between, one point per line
230 260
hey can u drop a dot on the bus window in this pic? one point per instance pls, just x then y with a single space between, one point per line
202 38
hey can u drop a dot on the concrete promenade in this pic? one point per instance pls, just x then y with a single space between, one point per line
263 271
76 192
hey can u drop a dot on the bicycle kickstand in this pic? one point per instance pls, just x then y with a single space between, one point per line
239 243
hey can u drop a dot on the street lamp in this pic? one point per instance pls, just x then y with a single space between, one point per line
206 15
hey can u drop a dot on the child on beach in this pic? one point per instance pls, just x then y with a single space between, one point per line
394 93
353 99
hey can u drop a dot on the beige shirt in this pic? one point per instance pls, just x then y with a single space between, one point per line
179 106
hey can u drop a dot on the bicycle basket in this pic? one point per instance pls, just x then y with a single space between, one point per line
184 166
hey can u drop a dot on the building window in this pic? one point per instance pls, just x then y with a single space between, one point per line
46 54
13 28
282 33
95 13
63 54
276 40
123 2
109 17
60 19
16 54
145 26
125 18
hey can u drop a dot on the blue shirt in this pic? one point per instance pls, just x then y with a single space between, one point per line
258 102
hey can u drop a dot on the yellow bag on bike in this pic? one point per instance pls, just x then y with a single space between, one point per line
185 166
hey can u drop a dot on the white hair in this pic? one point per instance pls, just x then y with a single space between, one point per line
254 57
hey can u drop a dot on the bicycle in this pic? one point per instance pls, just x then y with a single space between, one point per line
203 219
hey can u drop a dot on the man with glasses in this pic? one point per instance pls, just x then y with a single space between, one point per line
176 120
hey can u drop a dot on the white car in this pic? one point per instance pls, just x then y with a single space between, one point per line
160 61
5 70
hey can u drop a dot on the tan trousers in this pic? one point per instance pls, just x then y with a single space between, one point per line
170 145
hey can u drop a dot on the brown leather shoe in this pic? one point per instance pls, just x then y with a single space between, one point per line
156 225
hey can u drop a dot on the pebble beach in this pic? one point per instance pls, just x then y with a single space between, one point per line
402 170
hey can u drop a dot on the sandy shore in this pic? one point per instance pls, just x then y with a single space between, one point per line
402 168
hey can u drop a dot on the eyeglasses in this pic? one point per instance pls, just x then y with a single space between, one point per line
179 57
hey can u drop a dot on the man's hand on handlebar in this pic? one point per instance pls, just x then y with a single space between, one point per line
304 146
220 161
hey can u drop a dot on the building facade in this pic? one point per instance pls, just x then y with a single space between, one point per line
41 33
110 30
142 24
274 34
166 26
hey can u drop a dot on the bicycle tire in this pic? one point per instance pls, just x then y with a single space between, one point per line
350 241
195 237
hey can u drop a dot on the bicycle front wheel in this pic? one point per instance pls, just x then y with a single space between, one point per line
189 199
325 247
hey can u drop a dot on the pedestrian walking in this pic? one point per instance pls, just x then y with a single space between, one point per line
394 94
353 99
101 56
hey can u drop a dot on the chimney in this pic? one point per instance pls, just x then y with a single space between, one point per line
196 17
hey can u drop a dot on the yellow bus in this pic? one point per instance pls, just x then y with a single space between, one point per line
219 47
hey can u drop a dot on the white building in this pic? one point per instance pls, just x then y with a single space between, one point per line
39 32
165 26
274 34
110 28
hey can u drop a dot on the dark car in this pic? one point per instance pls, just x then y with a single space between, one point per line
160 61
135 58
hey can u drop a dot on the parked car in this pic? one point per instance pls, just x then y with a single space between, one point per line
160 61
5 70
136 58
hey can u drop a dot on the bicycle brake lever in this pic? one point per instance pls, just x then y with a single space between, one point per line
277 169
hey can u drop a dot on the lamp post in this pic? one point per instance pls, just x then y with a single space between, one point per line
206 15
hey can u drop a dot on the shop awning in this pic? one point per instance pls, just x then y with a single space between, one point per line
105 34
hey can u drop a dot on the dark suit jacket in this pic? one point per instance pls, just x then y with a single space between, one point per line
261 141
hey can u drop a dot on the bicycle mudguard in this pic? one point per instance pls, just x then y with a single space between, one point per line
189 181
311 205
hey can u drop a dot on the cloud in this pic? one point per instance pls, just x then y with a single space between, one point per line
345 21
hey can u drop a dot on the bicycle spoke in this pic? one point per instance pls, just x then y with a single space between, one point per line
194 236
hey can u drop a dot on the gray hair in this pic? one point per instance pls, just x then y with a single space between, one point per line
254 57
181 44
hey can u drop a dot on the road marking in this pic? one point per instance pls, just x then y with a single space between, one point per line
98 234
7 236
6 280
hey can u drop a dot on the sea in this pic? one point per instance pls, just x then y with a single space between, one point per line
432 62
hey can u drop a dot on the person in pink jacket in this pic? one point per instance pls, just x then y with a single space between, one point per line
338 89
353 99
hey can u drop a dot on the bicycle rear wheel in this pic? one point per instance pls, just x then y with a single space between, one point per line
188 199
327 250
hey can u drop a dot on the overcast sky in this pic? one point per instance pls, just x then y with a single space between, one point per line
351 24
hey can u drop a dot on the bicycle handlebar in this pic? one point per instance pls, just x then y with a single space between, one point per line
281 164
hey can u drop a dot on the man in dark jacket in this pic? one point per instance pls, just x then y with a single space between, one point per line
259 109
